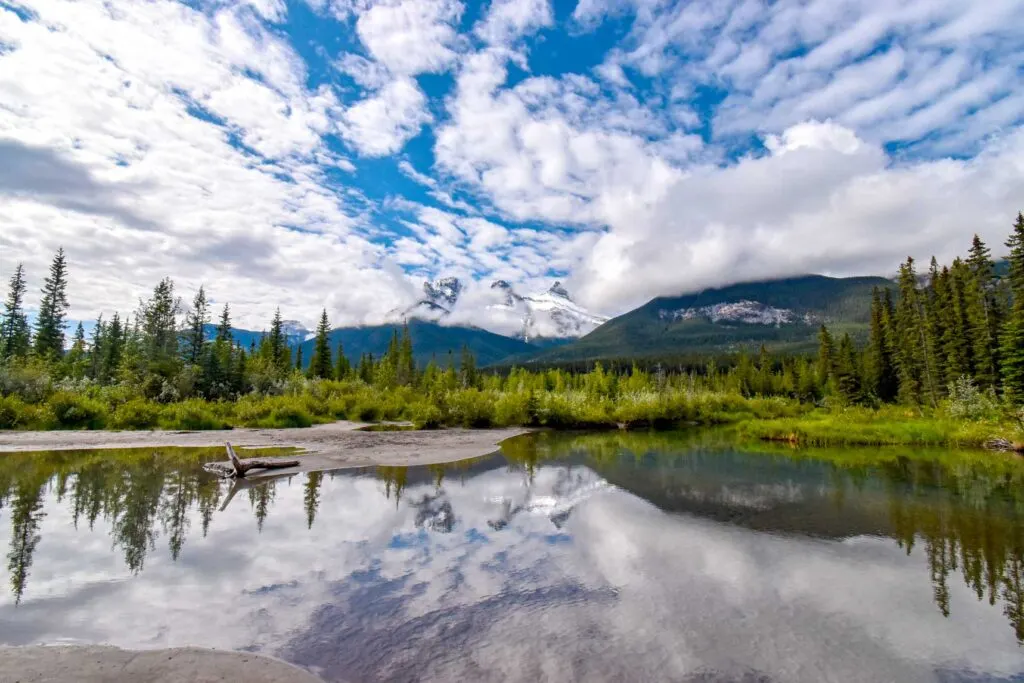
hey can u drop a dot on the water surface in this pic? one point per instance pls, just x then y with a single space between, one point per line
601 557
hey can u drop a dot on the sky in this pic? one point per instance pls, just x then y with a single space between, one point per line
334 154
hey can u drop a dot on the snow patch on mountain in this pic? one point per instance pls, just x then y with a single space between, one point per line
744 311
295 332
549 314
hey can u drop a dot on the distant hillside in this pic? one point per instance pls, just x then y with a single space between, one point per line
429 340
782 314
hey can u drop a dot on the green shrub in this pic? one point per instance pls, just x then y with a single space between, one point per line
289 415
135 414
426 415
365 412
470 408
193 414
14 414
75 411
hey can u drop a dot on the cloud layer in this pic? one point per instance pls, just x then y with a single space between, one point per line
334 153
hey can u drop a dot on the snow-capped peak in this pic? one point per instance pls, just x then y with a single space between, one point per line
295 332
551 313
743 311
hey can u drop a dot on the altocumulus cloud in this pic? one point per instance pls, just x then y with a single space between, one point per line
335 152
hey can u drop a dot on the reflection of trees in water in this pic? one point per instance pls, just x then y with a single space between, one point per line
967 513
986 547
26 514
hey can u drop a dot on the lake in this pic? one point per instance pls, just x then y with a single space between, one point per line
566 557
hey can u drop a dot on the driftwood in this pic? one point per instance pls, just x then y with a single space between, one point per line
1004 445
239 468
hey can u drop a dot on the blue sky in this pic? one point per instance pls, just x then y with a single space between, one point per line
335 153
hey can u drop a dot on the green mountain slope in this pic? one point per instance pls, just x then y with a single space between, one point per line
782 314
429 340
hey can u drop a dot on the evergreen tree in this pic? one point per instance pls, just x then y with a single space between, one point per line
159 317
467 368
983 314
826 356
195 328
1012 337
53 308
341 364
75 359
96 349
956 343
881 370
113 349
910 342
278 354
14 330
406 361
298 359
320 365
847 375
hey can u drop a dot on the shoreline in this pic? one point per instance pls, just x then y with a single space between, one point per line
322 447
72 663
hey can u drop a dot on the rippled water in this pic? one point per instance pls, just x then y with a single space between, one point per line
602 557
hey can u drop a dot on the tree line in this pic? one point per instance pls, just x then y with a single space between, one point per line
957 330
961 325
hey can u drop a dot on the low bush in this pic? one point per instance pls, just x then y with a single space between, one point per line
76 411
193 414
135 414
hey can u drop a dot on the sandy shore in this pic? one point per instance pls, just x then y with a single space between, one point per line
324 447
97 663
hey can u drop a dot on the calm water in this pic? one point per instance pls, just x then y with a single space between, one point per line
566 558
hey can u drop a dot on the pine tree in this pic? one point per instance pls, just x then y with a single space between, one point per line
320 365
467 368
342 369
881 372
14 330
847 374
280 355
298 359
910 342
113 349
53 308
1012 337
956 343
406 361
195 328
984 314
826 356
159 318
97 349
74 359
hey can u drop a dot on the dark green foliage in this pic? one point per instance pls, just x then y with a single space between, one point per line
983 313
53 308
14 329
320 365
880 369
342 369
1012 338
194 341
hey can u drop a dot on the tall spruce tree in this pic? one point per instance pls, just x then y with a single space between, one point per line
342 368
956 342
53 308
320 365
159 318
195 329
983 313
826 357
280 355
14 330
1012 337
298 359
882 380
910 342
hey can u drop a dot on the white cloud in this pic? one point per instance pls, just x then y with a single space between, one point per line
508 20
382 124
411 36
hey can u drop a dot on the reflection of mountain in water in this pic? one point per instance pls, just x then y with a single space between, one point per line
963 515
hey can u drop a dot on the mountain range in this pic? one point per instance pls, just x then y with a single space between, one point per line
783 314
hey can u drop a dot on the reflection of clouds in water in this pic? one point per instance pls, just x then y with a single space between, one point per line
621 591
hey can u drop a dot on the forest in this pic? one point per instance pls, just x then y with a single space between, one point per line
944 363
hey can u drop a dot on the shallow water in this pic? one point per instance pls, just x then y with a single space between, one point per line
601 557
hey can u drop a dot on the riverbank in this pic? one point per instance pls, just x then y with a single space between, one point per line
323 447
100 663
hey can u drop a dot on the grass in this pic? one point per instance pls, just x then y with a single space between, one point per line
766 419
885 426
